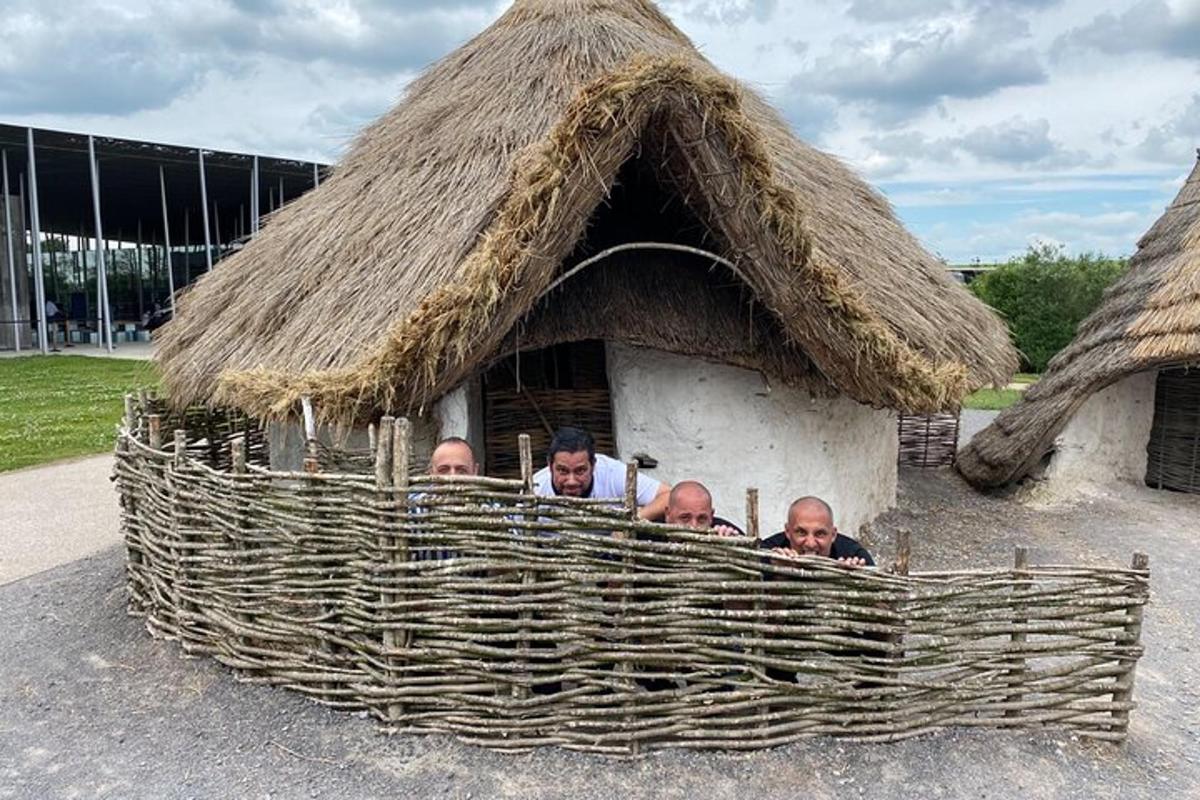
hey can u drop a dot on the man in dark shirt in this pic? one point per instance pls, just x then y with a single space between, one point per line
690 505
810 532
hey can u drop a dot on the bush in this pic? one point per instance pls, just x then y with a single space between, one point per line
1044 296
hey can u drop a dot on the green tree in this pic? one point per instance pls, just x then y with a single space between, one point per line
1044 295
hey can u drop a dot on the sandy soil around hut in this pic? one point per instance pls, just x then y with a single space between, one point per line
95 708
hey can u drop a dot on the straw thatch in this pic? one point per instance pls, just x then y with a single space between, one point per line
1150 318
415 262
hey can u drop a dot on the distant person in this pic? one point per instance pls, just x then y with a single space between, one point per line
574 469
690 505
810 531
53 312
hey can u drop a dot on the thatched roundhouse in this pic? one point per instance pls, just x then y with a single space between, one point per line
1119 402
436 274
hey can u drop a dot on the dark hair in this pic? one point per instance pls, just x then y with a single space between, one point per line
571 440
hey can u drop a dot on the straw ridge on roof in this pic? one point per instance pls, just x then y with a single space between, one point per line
410 266
1149 318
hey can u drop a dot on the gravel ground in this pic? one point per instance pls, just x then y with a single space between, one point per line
93 707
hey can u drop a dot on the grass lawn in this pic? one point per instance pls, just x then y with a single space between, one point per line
54 407
992 399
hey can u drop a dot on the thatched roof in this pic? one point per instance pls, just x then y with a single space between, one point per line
1148 319
413 264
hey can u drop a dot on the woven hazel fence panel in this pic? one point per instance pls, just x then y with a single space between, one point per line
467 606
1173 451
928 440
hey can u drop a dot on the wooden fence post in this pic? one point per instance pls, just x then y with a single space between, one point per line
178 553
387 498
401 454
237 460
1123 692
631 507
525 451
1018 638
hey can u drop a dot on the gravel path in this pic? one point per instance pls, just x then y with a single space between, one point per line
93 707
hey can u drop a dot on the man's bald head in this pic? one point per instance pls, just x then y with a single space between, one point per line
690 505
810 529
453 456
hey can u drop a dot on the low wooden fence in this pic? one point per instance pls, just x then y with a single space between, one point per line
468 606
928 440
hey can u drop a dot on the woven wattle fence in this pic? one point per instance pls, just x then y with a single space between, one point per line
928 440
468 606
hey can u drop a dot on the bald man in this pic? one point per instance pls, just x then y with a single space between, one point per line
810 531
453 456
690 505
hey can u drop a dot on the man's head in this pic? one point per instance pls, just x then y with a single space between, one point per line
810 530
690 505
571 457
453 456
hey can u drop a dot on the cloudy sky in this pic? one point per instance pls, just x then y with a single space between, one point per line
989 125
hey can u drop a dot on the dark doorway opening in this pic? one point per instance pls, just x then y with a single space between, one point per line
1173 454
536 391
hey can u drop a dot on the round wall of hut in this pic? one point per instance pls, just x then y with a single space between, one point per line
728 428
1106 438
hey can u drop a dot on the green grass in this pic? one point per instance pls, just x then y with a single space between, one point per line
54 407
992 399
1026 377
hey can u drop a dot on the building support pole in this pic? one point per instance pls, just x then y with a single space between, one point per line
12 264
103 309
204 214
254 202
162 185
35 229
316 176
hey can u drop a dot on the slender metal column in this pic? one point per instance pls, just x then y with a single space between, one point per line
162 185
36 235
138 283
12 264
217 228
254 201
103 310
204 214
280 193
316 176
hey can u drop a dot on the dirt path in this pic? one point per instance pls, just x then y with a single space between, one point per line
95 708
56 514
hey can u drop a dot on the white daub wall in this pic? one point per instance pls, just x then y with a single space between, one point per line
725 427
1106 439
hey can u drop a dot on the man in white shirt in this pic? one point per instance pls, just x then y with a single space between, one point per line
574 469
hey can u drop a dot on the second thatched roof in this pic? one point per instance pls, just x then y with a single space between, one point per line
1149 318
451 216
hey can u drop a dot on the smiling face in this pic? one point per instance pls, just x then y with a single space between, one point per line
810 530
571 473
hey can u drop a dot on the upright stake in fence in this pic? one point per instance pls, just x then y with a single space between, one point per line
179 549
385 468
900 567
1133 628
631 507
401 456
133 552
525 450
1016 672
237 460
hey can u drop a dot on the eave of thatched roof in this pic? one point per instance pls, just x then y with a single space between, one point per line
1150 318
409 267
